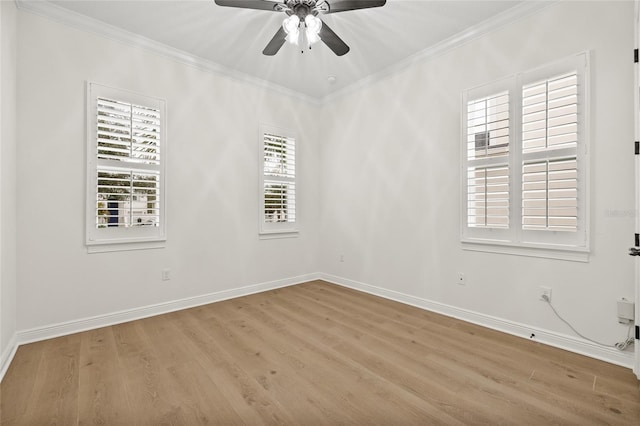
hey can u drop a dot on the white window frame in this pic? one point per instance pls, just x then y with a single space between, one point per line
268 229
515 240
101 239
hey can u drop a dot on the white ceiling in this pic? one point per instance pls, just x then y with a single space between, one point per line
233 38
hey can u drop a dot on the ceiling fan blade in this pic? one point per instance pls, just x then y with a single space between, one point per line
336 6
332 40
250 4
276 43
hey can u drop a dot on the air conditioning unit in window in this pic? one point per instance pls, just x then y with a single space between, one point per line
482 141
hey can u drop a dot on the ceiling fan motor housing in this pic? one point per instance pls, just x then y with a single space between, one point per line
301 8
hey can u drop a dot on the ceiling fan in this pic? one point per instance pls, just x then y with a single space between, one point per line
303 15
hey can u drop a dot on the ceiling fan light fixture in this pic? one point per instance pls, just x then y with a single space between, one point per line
314 25
291 25
307 11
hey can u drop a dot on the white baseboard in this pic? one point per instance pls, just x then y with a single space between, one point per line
76 326
569 343
573 344
7 356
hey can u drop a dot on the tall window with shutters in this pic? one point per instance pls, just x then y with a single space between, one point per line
525 161
125 167
278 181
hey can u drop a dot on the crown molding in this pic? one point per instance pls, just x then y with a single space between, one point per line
522 10
81 22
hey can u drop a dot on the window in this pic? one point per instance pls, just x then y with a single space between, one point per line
125 167
525 159
278 182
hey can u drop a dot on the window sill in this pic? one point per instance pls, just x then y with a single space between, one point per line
125 246
270 235
573 254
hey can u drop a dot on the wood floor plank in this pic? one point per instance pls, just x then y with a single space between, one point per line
244 394
14 407
148 387
386 352
299 357
316 354
262 363
380 357
560 380
55 397
338 373
193 378
103 399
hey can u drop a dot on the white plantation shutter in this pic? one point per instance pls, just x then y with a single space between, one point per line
488 126
278 181
488 197
279 156
549 153
550 113
127 198
487 161
525 161
125 167
128 132
128 151
550 195
279 202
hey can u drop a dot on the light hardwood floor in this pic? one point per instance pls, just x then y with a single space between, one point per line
308 355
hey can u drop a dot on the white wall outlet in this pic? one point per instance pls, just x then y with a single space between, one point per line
462 280
341 258
626 311
166 274
545 294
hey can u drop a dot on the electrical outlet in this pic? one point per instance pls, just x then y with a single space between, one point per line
341 258
545 294
166 274
626 311
461 279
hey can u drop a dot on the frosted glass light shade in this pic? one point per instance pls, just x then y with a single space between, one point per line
291 25
314 25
